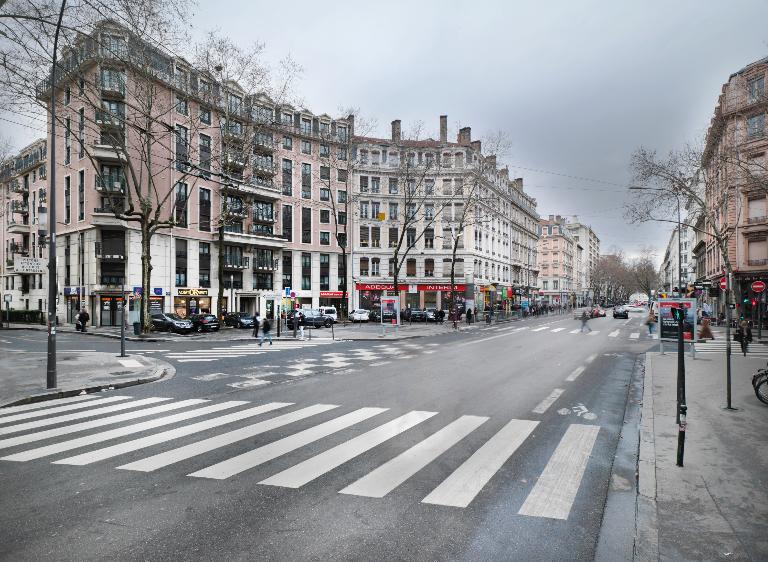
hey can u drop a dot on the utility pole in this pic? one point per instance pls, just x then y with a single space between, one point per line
50 378
728 287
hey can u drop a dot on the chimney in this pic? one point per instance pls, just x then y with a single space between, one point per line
491 161
504 173
443 128
396 130
552 219
351 121
465 135
476 146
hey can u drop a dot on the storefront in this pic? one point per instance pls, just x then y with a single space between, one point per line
332 298
193 301
110 309
74 303
413 295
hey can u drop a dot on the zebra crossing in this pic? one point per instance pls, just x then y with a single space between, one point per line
208 355
718 346
83 431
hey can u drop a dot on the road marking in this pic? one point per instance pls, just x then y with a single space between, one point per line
574 375
119 432
591 358
574 331
380 363
556 489
265 453
76 406
558 330
613 334
627 321
548 401
313 468
593 332
212 377
56 432
461 487
131 363
141 443
194 360
45 404
473 342
206 445
390 475
540 329
634 335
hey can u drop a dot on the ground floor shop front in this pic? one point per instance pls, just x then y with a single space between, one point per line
413 296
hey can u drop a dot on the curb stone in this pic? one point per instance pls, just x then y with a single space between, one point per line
646 521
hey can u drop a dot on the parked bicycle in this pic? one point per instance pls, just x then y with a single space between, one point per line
760 384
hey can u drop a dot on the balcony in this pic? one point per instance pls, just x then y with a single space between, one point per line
111 251
237 211
18 187
264 167
236 262
112 87
17 227
234 160
264 265
20 207
760 262
110 119
232 134
110 184
17 248
264 143
757 220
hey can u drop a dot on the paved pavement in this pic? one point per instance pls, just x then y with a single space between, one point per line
716 506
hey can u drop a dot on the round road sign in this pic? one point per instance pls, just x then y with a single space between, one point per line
758 286
723 283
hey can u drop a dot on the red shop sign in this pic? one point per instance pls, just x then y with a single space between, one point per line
331 294
404 287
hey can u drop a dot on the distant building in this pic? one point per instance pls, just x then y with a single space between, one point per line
587 248
557 261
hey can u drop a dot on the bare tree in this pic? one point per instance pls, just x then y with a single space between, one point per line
645 272
612 277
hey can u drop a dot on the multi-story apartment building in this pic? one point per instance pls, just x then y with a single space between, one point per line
669 265
587 249
234 175
737 183
23 185
452 193
557 255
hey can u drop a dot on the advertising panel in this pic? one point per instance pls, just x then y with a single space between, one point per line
668 325
390 310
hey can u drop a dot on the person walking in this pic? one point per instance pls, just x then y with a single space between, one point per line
84 318
256 323
585 321
265 332
650 321
469 316
743 335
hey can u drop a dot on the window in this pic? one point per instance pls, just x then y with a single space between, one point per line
364 267
288 223
410 211
429 238
262 280
180 215
756 89
325 272
394 234
756 126
67 140
393 211
393 185
204 198
410 267
375 267
325 173
325 216
325 194
181 262
341 175
375 185
182 106
204 262
288 143
342 218
375 237
81 134
410 237
391 267
306 181
287 269
375 210
364 236
325 238
306 126
181 148
81 195
363 184
341 196
429 211
306 271
287 177
429 267
67 201
429 187
554 285
342 133
325 152
363 209
67 95
205 115
67 253
205 153
341 153
286 119
306 147
306 225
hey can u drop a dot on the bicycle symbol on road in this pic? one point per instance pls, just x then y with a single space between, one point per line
580 410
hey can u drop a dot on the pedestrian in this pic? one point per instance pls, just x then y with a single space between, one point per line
743 335
584 321
469 316
650 321
84 317
706 332
441 315
256 323
454 318
265 331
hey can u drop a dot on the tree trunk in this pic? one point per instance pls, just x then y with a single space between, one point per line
146 277
453 275
344 299
395 283
220 295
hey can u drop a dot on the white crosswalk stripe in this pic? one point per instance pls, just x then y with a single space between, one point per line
613 334
558 330
242 350
45 404
540 329
753 350
58 409
462 481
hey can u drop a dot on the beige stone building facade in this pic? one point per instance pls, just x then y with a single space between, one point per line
557 261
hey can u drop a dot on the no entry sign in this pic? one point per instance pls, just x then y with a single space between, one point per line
723 284
758 286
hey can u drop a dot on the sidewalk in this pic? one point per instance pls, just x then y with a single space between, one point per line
716 506
23 374
112 332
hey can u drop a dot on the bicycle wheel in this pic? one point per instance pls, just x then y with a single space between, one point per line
760 384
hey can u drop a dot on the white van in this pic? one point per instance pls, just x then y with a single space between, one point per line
330 311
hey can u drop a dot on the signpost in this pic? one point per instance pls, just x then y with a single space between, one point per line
8 298
758 287
679 315
723 284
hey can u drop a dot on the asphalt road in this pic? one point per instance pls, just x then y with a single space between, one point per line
494 444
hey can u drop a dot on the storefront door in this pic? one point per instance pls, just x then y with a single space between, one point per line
110 308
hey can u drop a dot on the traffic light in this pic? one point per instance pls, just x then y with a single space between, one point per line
678 314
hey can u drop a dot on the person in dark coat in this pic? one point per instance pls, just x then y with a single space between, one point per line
265 331
469 316
84 318
743 335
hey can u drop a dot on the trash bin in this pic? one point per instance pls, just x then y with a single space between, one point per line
137 328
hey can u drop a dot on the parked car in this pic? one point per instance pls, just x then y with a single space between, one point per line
239 320
431 314
170 323
317 319
330 311
204 323
620 312
418 315
298 315
360 315
375 315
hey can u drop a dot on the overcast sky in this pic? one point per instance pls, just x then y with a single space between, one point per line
576 85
